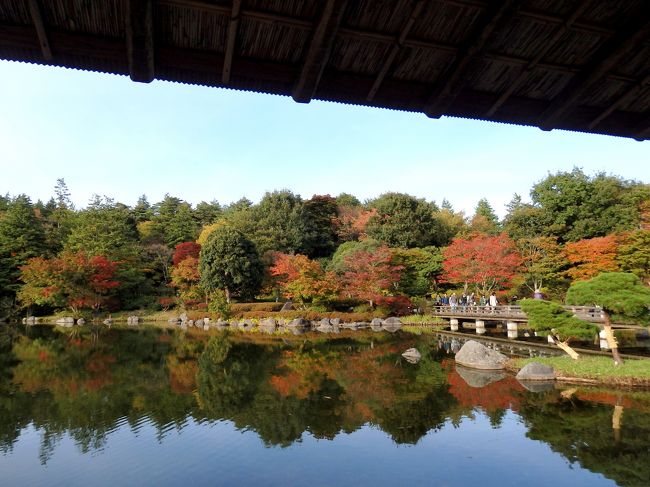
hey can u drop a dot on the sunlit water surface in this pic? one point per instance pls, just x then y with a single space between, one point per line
169 407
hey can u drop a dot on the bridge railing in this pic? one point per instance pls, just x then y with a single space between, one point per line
587 313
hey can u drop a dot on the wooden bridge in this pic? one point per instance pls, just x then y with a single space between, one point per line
513 317
592 314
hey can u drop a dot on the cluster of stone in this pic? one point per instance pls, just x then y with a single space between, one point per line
479 366
296 326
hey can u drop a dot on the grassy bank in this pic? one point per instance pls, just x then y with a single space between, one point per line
596 370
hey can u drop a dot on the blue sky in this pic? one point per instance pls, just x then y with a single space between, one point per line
107 135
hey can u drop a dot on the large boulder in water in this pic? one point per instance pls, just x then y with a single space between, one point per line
536 371
477 356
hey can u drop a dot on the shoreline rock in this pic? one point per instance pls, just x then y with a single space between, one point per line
475 355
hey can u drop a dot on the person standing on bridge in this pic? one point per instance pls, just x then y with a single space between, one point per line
453 301
493 301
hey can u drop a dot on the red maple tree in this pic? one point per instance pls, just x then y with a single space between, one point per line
370 276
184 250
487 262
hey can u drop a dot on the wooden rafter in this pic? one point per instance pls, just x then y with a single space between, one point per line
37 18
524 71
388 62
454 78
605 59
262 16
233 25
319 51
140 40
621 100
381 37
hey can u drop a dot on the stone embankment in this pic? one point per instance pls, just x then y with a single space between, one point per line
296 326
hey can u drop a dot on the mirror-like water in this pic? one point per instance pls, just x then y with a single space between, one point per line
167 407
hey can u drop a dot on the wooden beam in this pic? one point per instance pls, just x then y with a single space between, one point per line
388 62
525 71
621 100
233 25
139 40
454 78
262 16
381 37
319 51
603 61
37 18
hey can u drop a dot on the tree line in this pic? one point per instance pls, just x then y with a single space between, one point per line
325 252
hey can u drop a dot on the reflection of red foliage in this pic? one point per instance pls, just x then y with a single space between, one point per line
609 398
503 394
286 385
42 356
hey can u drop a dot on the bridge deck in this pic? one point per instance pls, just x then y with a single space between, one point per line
591 314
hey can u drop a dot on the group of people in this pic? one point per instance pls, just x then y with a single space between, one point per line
466 300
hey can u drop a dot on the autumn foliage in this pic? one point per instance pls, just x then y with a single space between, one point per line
73 279
370 276
590 257
304 280
487 262
184 250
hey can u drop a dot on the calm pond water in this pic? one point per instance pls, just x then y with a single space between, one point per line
147 406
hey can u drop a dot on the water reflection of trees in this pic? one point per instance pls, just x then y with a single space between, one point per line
582 432
90 383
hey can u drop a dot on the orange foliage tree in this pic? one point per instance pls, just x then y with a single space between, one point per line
73 279
303 279
590 257
185 273
488 262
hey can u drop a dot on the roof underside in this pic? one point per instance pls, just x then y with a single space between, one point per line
579 65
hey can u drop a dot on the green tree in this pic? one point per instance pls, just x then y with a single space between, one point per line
278 222
421 269
551 319
404 221
142 211
104 228
484 219
575 206
319 238
543 262
452 223
524 220
634 254
181 226
21 238
207 213
621 295
230 262
347 199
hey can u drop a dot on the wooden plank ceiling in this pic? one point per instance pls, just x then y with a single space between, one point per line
580 65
